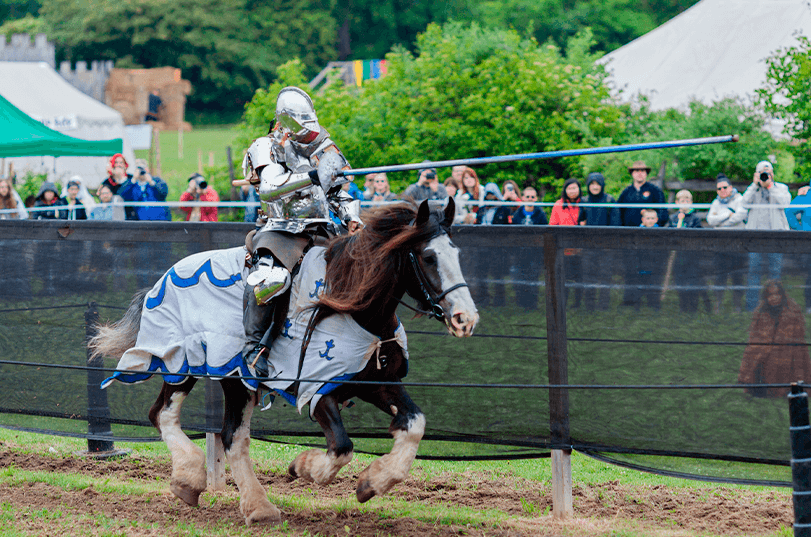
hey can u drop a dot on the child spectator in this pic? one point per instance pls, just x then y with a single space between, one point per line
74 208
47 204
11 205
493 214
684 265
566 211
650 218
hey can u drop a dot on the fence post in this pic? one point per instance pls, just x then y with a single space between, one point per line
98 412
800 431
215 452
558 374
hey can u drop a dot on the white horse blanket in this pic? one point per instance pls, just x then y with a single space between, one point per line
191 323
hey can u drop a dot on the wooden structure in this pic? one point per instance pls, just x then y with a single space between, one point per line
128 92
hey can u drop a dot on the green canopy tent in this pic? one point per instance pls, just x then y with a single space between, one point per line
23 136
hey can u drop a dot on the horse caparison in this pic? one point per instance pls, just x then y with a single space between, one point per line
367 275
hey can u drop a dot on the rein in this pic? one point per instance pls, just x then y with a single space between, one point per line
436 310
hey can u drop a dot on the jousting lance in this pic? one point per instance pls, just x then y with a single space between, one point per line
544 154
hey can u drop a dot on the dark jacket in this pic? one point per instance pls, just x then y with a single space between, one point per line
57 204
493 214
647 195
600 216
131 191
690 220
76 212
535 218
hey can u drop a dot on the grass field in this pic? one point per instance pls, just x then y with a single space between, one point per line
198 148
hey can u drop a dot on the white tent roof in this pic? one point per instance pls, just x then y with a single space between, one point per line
39 91
715 49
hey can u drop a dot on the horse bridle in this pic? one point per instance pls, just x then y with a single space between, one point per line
436 310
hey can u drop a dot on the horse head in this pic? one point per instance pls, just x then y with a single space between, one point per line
439 285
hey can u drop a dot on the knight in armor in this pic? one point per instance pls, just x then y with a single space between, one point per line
294 170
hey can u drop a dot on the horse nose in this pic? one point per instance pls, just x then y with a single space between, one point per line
463 323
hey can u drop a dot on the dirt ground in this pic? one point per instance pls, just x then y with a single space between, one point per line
654 510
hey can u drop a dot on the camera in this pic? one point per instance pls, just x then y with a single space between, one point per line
202 183
430 175
141 171
764 177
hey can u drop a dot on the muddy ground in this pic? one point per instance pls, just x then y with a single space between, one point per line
656 510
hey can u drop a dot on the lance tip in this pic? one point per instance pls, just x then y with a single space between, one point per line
735 137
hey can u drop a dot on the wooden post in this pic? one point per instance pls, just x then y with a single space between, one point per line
211 159
180 142
215 453
558 374
157 168
200 161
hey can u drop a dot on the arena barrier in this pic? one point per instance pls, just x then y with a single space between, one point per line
627 344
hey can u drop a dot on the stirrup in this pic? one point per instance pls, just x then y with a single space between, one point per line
257 358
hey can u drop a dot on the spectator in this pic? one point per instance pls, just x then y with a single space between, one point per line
776 352
249 194
104 210
566 211
117 174
600 216
800 219
641 192
353 190
380 189
727 211
154 106
74 208
84 196
451 186
470 191
764 191
528 264
48 203
199 191
11 205
597 263
143 188
529 214
493 214
643 281
427 187
684 265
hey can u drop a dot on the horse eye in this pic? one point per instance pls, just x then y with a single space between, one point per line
430 260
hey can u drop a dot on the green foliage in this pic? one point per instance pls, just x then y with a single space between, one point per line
26 25
30 184
17 9
226 48
469 92
787 96
736 160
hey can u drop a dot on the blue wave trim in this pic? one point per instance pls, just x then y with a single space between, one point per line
156 364
194 279
330 387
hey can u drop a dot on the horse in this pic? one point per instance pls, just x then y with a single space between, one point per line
403 249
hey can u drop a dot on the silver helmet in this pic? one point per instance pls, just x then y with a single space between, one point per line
296 115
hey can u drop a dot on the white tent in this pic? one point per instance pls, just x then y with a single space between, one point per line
39 91
715 49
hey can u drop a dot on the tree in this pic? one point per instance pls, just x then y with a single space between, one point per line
468 92
787 96
226 48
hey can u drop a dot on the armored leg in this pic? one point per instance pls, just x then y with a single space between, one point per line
267 280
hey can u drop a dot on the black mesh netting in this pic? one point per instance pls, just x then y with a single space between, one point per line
660 327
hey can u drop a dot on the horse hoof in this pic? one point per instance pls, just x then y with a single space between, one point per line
266 516
365 490
186 493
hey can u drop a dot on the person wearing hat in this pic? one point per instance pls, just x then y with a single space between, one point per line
762 192
199 191
643 193
427 187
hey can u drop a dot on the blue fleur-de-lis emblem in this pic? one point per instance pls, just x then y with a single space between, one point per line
287 326
330 345
318 285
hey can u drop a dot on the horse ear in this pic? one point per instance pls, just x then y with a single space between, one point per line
423 213
450 212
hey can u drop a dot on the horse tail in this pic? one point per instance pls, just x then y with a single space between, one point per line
113 340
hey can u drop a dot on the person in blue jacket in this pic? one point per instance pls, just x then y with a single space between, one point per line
800 219
145 187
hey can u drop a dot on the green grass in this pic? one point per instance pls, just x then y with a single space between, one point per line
175 168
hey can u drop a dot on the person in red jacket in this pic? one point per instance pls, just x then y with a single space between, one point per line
566 211
199 191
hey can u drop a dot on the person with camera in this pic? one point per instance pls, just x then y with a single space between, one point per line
144 187
199 191
427 187
764 191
